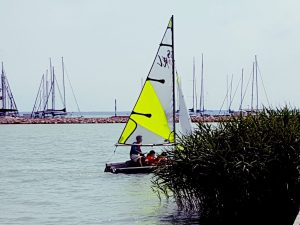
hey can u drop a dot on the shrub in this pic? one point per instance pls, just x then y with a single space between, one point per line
245 171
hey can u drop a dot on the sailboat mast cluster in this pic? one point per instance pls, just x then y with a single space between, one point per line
8 105
254 88
194 108
45 103
252 97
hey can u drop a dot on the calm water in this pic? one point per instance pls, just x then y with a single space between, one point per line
53 174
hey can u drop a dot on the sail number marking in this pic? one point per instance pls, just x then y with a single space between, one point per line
165 61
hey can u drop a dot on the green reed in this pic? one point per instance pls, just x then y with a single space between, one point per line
245 171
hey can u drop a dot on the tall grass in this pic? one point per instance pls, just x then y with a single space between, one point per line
246 171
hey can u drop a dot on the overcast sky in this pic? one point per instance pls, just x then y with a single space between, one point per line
109 46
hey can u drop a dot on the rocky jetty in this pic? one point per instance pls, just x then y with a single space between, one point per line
84 120
210 119
66 120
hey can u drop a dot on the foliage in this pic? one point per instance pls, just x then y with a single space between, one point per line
245 171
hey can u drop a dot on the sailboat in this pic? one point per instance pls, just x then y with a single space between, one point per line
153 115
44 105
8 105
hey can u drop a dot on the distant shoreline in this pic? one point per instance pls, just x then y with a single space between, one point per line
100 120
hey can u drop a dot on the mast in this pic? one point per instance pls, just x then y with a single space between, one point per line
173 77
51 81
230 99
227 93
241 105
256 83
3 88
47 89
202 90
115 107
252 86
53 89
43 102
194 88
42 93
63 73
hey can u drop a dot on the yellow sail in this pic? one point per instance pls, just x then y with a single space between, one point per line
153 114
148 113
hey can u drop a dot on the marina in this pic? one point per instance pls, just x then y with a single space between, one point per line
209 136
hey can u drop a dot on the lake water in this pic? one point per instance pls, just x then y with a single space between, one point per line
53 174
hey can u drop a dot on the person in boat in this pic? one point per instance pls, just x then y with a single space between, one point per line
136 154
162 157
151 158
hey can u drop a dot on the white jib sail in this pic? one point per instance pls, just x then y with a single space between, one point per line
184 117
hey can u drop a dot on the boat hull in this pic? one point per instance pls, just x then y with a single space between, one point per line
128 168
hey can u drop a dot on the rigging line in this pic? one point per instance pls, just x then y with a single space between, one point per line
35 107
114 152
61 98
242 79
111 156
223 102
45 90
246 87
230 92
48 96
39 107
9 92
235 91
72 91
6 93
263 85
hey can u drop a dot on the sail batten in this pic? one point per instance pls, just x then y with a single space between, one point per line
152 116
168 45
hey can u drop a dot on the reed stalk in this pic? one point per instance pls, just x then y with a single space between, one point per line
242 171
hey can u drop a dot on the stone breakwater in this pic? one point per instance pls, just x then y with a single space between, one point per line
83 120
67 120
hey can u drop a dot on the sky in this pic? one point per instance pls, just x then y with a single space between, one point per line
109 46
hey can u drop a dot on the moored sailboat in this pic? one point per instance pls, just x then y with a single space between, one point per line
45 105
153 116
8 105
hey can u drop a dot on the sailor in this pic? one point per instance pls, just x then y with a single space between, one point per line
151 158
136 154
